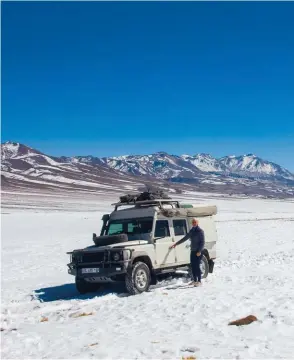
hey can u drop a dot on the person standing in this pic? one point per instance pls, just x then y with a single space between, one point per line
196 234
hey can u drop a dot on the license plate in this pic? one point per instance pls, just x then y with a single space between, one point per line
90 271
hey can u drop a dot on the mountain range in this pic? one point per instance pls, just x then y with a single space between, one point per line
25 167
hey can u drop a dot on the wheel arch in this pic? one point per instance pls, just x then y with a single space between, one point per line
206 254
210 261
143 257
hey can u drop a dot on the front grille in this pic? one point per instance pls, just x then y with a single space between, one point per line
93 257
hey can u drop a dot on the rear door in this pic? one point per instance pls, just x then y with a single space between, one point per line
162 242
180 229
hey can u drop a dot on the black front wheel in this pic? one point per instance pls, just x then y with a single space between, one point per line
138 279
85 287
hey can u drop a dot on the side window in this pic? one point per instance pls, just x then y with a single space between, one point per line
115 229
130 227
161 228
180 227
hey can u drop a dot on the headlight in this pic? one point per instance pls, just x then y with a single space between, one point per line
76 258
116 256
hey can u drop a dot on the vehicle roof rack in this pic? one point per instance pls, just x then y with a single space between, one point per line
153 202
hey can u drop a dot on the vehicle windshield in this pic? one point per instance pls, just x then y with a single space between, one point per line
136 229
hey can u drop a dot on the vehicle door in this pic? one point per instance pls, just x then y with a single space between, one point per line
162 242
179 230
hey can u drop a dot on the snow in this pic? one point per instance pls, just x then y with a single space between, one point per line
30 159
246 161
57 181
16 193
171 161
9 150
254 274
63 179
213 182
204 162
60 167
28 180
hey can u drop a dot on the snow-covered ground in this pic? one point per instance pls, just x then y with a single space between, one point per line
254 274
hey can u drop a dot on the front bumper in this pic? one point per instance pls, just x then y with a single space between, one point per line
104 272
102 261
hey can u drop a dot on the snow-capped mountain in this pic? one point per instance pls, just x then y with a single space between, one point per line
22 166
231 174
252 165
160 165
11 150
205 162
163 165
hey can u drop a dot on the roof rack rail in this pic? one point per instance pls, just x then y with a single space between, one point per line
153 202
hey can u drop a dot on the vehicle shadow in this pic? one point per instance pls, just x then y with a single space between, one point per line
69 292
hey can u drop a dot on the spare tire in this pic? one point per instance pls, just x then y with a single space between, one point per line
110 239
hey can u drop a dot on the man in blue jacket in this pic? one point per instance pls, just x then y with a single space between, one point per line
196 234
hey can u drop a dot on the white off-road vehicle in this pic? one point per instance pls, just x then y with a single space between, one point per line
134 245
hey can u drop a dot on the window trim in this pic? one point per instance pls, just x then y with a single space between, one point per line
186 226
169 229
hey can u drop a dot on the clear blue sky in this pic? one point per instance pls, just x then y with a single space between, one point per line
119 78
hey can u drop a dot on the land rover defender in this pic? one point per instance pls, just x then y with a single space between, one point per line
134 244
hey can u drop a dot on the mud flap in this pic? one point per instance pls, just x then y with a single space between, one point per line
211 265
154 279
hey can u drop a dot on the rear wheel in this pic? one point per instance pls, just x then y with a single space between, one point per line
85 287
138 279
204 267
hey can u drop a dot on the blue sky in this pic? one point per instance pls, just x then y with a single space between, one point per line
138 77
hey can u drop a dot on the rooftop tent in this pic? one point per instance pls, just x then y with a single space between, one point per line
192 210
202 210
